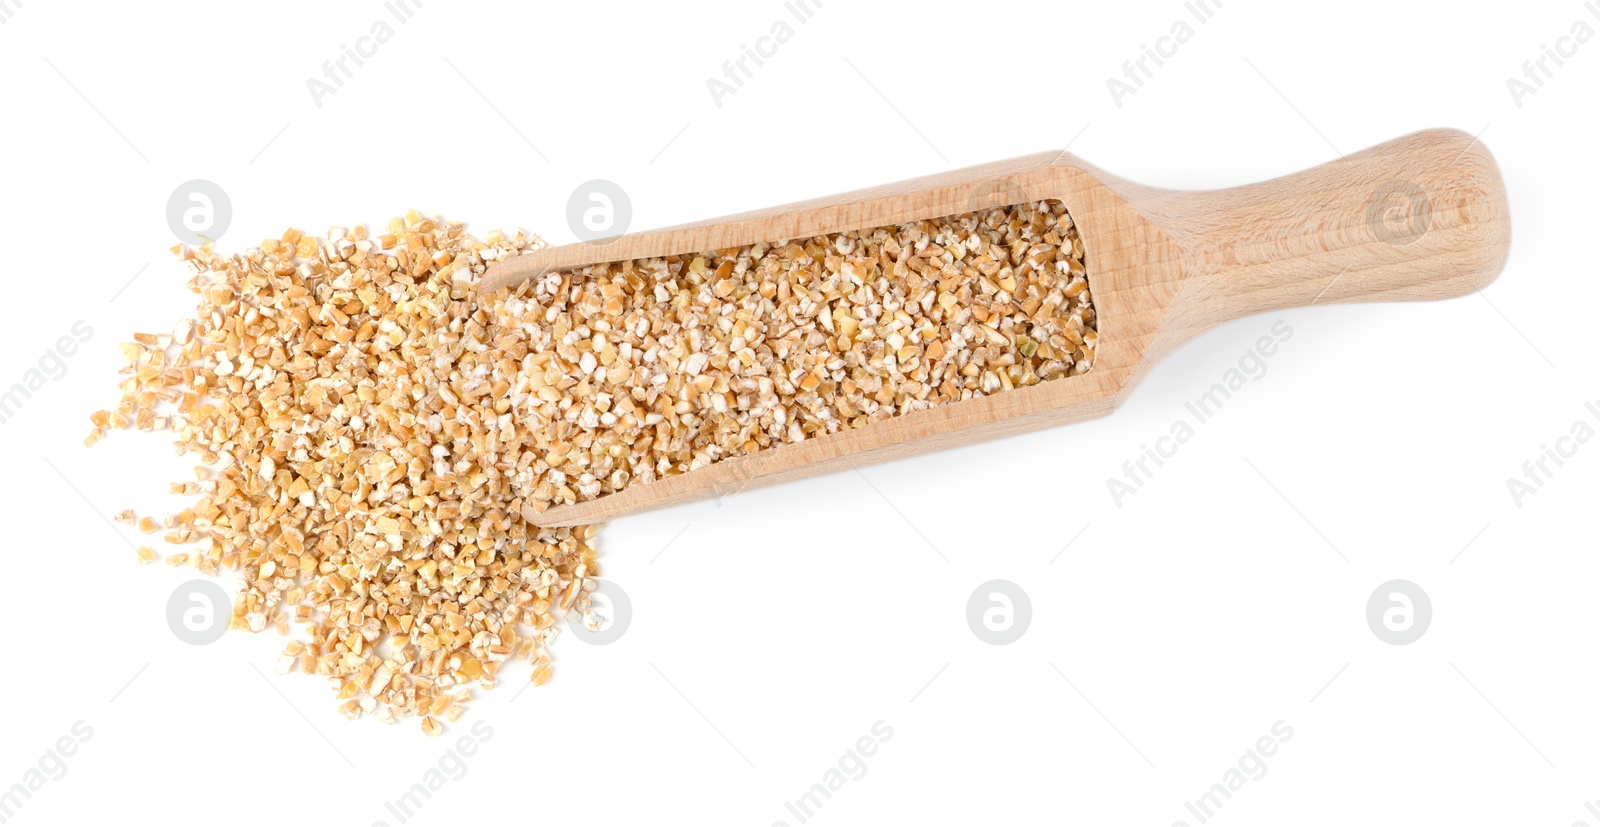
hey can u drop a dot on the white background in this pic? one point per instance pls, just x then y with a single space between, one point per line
769 633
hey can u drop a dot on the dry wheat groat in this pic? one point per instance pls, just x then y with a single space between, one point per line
373 433
648 368
360 484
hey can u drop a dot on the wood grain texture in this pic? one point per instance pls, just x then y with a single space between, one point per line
1422 217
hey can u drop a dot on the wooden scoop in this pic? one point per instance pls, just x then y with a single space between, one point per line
1421 217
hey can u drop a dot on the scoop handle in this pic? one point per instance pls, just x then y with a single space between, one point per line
1420 217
